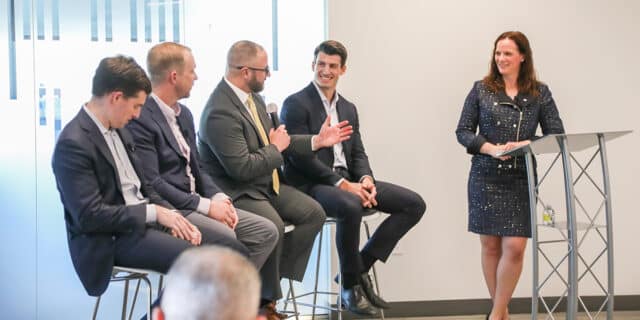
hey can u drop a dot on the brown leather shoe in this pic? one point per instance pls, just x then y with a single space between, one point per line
272 313
267 313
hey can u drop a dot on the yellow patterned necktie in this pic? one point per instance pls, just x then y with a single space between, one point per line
265 139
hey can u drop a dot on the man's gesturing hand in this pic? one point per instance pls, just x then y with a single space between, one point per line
330 135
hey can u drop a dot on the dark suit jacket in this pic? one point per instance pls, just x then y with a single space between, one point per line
304 113
91 194
163 162
231 149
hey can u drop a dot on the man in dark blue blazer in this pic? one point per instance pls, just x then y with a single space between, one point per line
341 180
113 216
166 141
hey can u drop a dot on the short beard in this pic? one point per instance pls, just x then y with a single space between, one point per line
255 85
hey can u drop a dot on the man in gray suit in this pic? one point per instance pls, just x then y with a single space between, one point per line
166 141
242 151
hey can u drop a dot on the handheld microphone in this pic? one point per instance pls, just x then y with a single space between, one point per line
272 110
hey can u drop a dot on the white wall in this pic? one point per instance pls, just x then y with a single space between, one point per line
411 64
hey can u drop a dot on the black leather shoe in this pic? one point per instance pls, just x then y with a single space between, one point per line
367 287
354 300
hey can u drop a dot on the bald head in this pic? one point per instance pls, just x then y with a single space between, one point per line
165 57
211 283
242 53
247 66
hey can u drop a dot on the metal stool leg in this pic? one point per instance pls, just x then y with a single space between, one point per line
315 287
339 306
135 298
124 299
288 296
95 308
150 298
375 280
293 297
160 285
373 268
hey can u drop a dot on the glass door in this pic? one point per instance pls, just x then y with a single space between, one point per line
48 53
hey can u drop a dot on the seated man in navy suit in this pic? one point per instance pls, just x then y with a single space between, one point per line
166 142
113 216
341 180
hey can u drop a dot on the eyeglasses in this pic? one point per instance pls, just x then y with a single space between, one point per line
265 69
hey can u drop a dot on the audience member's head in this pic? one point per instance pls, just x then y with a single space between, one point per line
210 283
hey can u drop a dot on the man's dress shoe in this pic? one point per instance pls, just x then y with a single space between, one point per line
354 300
367 287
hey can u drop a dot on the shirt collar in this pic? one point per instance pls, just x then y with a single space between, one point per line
324 98
93 117
169 112
243 96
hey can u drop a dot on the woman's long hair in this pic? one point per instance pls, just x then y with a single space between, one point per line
527 82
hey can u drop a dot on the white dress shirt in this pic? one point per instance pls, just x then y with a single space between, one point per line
129 181
171 114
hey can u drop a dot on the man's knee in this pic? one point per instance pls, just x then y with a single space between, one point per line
225 239
270 234
416 207
239 247
317 215
352 212
347 208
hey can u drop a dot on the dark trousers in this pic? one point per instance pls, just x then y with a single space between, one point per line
291 254
405 208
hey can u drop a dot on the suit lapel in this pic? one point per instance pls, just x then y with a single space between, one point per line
262 113
243 109
320 113
185 127
317 105
342 115
160 119
98 139
130 147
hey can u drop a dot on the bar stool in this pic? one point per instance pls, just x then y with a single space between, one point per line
127 274
370 214
291 296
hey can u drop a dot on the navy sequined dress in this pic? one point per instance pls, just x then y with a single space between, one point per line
497 190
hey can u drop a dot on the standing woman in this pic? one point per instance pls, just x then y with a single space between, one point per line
505 109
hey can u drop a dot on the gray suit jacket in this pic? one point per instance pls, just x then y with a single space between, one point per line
231 150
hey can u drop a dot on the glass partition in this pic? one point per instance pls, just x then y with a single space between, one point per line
49 51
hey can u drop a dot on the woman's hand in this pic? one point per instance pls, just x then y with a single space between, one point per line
494 150
512 145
